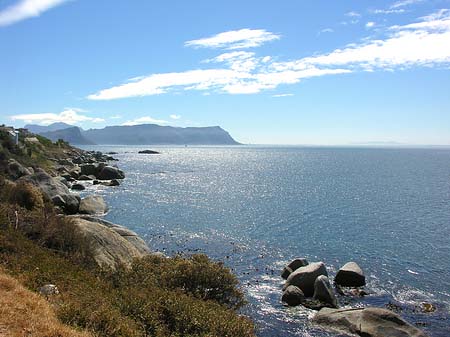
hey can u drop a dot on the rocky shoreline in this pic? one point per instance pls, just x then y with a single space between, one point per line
113 245
307 284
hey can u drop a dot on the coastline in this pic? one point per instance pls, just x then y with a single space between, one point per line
102 277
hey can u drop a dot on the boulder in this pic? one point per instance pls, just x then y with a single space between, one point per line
16 170
292 266
148 152
112 245
367 322
293 296
323 291
93 204
114 182
350 275
78 187
51 187
110 172
84 177
304 277
89 169
58 201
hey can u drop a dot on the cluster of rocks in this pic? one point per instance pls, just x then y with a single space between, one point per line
308 284
112 245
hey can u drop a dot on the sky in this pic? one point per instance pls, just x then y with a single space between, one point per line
307 72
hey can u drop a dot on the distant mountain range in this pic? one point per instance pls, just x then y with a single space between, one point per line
144 134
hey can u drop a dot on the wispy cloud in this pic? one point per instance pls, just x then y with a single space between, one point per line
353 14
422 43
282 95
388 11
326 30
175 117
145 120
235 39
404 3
25 9
69 116
370 24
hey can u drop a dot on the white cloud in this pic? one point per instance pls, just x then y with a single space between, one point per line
282 95
235 39
327 30
370 24
25 9
69 116
353 14
175 116
404 3
388 11
145 120
423 43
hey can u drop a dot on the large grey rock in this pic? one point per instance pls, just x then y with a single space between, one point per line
112 245
367 322
93 204
293 266
293 296
110 172
16 170
323 291
52 187
350 275
89 169
304 277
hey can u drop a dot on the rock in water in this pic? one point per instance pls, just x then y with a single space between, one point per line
304 277
293 296
78 187
367 322
350 275
323 291
110 172
292 266
148 152
93 204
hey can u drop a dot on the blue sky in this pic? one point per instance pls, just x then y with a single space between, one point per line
269 72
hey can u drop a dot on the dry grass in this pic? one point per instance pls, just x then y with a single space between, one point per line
24 313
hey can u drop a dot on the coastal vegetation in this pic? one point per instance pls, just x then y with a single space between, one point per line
151 296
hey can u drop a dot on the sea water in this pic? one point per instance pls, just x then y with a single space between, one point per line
256 208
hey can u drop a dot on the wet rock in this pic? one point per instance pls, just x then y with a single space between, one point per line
323 291
93 204
293 296
304 277
350 275
292 266
84 177
110 172
114 182
148 152
367 322
89 169
78 187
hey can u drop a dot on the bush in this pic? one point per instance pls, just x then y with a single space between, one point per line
117 303
26 195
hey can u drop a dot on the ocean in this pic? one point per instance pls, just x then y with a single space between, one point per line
257 208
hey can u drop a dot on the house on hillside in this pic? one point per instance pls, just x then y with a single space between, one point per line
12 132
